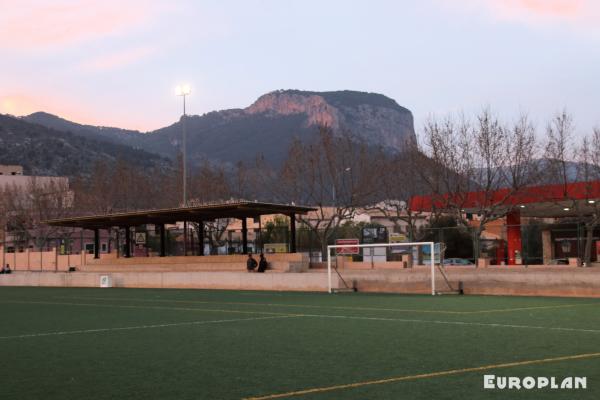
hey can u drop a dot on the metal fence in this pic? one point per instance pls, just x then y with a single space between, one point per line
562 241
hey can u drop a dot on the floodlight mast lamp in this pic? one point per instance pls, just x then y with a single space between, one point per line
183 91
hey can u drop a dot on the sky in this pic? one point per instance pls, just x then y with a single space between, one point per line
117 63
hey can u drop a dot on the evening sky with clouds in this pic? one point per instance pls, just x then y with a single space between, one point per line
116 63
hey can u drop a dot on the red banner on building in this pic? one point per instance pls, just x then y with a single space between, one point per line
346 250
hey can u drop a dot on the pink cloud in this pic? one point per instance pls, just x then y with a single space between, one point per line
34 24
19 104
581 15
118 59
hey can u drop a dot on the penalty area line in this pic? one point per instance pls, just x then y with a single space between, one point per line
532 308
420 376
128 328
463 323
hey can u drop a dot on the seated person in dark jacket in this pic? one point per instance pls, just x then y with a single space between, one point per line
262 264
250 263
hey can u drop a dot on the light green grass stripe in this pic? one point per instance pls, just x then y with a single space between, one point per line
421 376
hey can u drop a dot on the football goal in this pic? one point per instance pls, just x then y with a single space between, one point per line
404 254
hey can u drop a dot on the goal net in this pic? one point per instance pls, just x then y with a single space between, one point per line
344 258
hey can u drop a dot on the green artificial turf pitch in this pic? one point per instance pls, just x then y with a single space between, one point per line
67 343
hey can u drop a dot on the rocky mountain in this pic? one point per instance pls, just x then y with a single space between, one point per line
265 128
268 126
47 151
374 117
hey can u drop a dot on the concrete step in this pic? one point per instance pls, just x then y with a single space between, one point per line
180 267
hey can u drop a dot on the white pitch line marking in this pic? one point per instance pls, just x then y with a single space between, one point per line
462 323
141 307
128 328
484 324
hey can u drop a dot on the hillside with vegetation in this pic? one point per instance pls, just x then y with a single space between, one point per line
46 151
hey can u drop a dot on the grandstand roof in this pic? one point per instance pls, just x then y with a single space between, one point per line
204 212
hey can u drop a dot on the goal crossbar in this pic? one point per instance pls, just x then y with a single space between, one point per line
371 245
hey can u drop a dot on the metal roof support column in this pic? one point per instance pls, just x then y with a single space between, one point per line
260 241
200 238
161 228
185 238
96 243
127 242
292 233
244 235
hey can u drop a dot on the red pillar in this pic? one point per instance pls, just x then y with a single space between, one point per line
513 237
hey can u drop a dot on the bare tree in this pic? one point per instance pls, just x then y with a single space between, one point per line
27 206
208 183
333 174
567 163
398 182
448 144
588 172
215 232
559 152
480 165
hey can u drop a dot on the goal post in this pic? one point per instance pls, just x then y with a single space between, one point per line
331 269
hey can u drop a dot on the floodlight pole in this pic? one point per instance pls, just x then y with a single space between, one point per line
185 232
184 151
183 91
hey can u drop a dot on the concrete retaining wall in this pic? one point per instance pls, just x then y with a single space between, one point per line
532 281
538 281
310 281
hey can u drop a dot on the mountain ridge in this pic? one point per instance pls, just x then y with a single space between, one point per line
265 128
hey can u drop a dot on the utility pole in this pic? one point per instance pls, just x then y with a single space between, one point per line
183 91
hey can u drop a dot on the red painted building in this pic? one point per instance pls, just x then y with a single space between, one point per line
575 200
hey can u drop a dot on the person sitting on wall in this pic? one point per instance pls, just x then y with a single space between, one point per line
6 269
250 263
262 264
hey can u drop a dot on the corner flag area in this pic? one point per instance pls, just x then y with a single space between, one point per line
92 343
